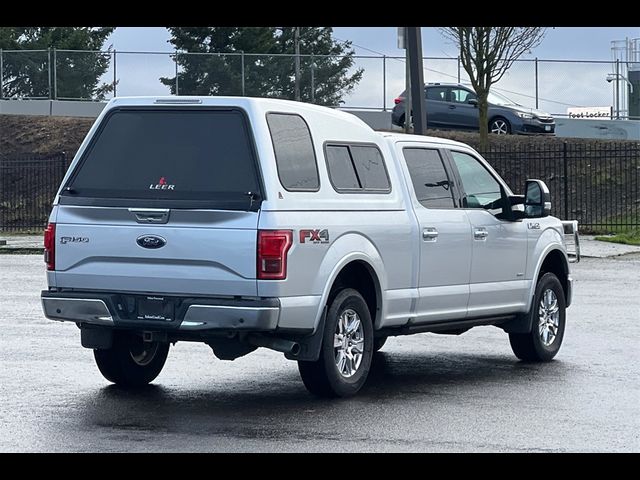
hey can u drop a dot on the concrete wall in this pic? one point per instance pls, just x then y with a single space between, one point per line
601 129
63 108
565 127
378 120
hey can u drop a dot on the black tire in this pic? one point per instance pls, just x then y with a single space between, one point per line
322 377
130 362
530 347
378 343
500 123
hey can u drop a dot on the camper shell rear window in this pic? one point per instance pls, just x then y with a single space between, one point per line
169 157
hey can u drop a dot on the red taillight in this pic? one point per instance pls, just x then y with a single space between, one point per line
273 246
398 100
50 246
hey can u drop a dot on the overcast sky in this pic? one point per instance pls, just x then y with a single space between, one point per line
559 85
583 43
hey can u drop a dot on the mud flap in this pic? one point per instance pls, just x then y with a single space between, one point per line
310 345
96 338
523 323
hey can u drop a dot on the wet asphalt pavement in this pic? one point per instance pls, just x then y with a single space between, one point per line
426 392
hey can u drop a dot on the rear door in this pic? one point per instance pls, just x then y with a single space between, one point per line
437 106
445 243
163 200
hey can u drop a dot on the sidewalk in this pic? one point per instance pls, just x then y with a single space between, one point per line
589 247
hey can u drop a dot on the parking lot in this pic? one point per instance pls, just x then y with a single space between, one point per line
426 392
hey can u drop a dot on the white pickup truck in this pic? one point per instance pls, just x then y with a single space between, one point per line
246 223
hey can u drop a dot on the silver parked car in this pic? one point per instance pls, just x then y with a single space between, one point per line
246 223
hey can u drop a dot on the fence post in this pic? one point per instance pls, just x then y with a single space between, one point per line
617 89
384 83
115 77
175 58
55 74
49 71
565 180
458 68
1 72
313 80
536 82
242 70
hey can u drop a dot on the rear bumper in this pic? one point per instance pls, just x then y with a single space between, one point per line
200 315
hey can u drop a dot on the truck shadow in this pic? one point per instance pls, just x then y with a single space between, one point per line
278 407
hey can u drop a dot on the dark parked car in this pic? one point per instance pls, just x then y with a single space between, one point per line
453 106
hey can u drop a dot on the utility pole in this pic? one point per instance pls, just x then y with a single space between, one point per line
296 43
414 55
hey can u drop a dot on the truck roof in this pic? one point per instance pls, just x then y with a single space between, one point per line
403 137
248 103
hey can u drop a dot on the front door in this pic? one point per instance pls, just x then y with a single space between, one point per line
445 243
497 282
464 115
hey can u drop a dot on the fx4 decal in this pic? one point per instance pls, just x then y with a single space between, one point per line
533 225
314 236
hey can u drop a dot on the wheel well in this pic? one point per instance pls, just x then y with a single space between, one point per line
361 277
498 116
555 263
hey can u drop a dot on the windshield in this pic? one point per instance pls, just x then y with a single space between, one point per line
168 155
499 99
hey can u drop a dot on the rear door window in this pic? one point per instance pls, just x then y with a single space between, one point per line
172 155
429 177
437 93
293 147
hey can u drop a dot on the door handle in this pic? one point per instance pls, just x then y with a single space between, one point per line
430 234
451 107
480 233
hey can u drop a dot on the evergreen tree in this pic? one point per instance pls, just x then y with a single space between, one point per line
269 63
77 74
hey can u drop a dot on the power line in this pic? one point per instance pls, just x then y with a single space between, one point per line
402 60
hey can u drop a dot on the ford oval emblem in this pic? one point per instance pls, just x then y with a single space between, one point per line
151 241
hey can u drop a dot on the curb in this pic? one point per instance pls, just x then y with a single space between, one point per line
21 251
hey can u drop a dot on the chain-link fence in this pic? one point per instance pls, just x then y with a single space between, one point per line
28 184
551 85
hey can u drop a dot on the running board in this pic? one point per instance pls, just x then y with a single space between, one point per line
449 327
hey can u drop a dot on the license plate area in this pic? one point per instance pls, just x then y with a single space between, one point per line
155 308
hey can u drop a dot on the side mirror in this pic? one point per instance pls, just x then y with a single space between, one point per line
537 200
473 101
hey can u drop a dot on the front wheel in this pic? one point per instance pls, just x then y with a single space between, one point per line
347 349
548 313
131 362
499 126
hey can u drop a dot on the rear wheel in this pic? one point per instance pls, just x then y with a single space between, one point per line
548 313
347 348
131 362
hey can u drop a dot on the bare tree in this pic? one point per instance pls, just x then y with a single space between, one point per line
486 53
